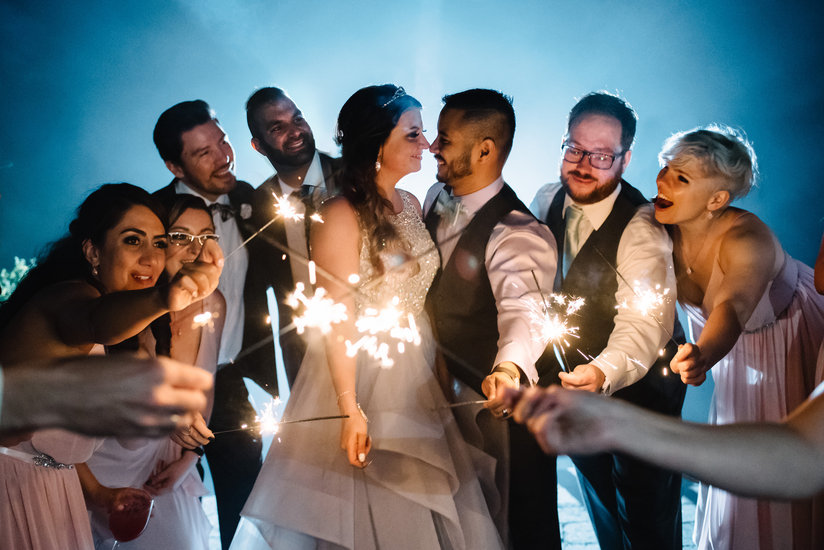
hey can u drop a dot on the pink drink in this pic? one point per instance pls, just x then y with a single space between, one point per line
128 522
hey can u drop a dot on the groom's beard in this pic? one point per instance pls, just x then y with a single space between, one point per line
461 167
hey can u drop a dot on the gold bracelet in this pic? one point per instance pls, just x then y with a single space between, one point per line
341 394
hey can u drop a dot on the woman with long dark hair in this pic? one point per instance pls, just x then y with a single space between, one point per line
93 288
403 478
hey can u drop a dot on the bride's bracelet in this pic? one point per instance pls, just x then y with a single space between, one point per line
360 410
341 394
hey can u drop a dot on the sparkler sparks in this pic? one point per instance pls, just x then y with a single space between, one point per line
319 311
205 319
388 321
646 300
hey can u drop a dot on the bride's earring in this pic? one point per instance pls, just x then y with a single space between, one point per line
377 166
94 271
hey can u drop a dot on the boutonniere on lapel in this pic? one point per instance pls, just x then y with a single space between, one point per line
245 211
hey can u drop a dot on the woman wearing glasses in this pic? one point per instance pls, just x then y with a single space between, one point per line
167 467
94 287
755 318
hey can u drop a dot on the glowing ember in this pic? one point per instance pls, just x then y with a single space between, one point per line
313 276
285 209
646 300
203 320
388 321
267 421
318 311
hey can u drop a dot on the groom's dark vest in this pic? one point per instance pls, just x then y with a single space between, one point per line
593 277
460 302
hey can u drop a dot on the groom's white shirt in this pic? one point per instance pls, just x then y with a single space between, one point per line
518 247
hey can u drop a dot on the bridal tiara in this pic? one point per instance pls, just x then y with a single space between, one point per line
399 93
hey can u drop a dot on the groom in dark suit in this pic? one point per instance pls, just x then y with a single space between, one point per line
303 178
198 153
494 258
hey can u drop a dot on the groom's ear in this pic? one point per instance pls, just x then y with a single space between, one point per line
485 149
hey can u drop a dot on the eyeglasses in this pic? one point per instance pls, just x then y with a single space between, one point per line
184 239
601 161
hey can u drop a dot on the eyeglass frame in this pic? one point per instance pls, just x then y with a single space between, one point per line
565 146
201 239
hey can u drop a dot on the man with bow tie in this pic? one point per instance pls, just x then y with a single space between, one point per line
303 178
494 257
196 150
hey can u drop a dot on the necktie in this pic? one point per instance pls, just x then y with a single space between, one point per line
224 210
573 217
447 206
305 195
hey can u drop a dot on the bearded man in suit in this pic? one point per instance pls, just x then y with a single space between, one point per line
304 178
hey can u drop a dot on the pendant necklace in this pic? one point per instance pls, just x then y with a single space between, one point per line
688 265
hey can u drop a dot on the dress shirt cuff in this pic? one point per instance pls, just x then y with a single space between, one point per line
619 370
515 353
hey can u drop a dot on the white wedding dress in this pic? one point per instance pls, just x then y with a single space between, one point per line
420 490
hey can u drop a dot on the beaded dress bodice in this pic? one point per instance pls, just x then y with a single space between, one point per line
407 275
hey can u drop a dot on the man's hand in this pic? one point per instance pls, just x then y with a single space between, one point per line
103 395
584 377
505 375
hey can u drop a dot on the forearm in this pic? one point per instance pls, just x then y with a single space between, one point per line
95 493
767 460
114 317
719 334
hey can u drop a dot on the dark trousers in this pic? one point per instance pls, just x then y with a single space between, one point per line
533 494
234 458
632 504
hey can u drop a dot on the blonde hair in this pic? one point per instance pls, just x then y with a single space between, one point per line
723 151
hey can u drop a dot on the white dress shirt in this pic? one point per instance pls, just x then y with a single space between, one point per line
518 247
644 256
296 229
232 278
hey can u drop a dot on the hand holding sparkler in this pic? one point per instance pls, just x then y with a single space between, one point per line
193 435
354 434
195 280
586 377
690 363
504 376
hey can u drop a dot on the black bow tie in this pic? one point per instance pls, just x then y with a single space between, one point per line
224 210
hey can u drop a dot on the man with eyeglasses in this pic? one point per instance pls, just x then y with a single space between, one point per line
608 240
198 153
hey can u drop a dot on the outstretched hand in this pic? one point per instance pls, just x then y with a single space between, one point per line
564 421
690 364
196 279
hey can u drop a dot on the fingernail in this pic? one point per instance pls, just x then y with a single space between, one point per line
362 457
211 438
220 262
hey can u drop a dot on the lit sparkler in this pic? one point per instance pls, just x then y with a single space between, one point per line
646 300
205 319
319 311
387 321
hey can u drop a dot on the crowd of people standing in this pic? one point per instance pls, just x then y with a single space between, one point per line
425 451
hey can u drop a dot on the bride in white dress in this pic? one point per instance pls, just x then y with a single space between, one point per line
404 478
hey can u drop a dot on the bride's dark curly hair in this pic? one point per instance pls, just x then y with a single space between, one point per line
364 124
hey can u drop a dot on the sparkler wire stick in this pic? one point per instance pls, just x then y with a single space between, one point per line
282 422
463 404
